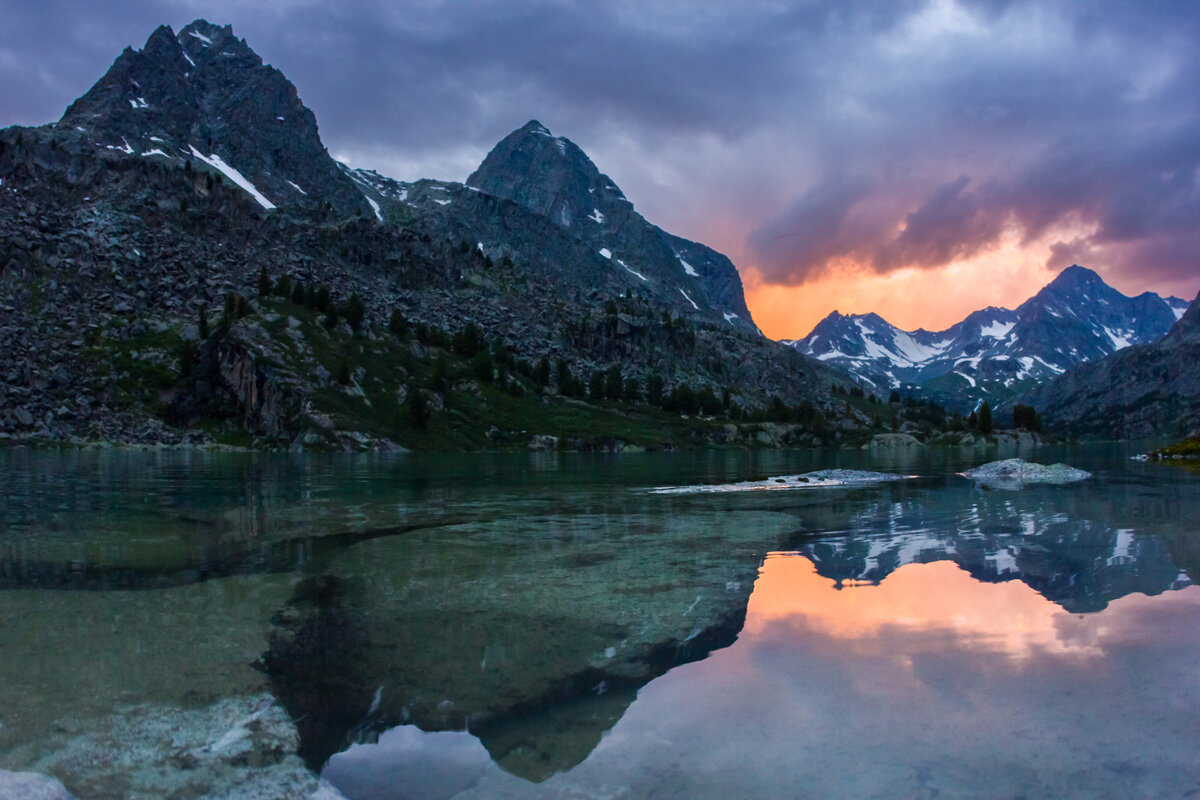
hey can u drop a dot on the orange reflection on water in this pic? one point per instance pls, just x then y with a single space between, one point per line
941 597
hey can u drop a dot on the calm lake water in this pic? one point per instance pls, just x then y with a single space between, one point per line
495 626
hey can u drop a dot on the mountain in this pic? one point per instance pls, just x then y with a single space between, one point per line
205 95
1141 391
995 353
553 177
182 260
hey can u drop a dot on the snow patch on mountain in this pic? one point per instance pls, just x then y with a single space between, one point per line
688 268
375 208
229 172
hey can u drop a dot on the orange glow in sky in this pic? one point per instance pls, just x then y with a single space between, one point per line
912 298
933 298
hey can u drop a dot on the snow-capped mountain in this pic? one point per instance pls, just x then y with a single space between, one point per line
995 353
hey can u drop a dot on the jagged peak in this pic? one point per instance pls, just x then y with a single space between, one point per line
534 127
1076 275
550 175
207 33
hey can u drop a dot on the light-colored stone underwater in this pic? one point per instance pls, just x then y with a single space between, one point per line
520 626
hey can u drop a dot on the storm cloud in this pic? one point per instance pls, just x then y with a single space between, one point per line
800 136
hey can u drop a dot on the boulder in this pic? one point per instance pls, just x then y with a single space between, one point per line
1016 472
32 786
893 441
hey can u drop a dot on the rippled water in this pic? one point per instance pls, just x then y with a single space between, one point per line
546 625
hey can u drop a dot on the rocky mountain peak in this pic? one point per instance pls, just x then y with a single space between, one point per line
549 175
204 95
1074 276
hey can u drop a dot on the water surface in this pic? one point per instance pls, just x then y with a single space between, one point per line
527 626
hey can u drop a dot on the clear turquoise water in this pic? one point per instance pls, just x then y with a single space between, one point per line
541 625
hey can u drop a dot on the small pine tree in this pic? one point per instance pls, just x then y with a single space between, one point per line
203 323
482 365
398 325
343 372
264 282
985 417
439 380
187 358
633 390
418 409
541 374
614 383
596 386
654 389
354 311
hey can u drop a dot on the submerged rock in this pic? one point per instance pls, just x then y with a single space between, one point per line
32 786
241 747
1016 472
808 480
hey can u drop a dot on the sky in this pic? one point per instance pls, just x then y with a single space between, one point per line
915 158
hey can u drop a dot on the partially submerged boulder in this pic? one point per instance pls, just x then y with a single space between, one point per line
1016 472
32 786
807 480
893 441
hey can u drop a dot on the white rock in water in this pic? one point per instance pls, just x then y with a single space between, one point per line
1017 472
808 480
32 786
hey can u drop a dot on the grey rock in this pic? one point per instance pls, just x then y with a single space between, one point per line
241 747
1016 472
31 786
893 441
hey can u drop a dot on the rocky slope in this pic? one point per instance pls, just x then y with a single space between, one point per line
995 353
191 182
1146 390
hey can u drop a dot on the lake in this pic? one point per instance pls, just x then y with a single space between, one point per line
191 624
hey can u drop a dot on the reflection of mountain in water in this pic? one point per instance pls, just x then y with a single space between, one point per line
534 634
1079 563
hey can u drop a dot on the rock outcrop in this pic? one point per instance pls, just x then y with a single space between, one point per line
1016 472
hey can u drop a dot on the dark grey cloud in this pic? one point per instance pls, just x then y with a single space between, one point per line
1033 118
889 134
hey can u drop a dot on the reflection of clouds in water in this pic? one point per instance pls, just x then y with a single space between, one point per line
408 762
929 683
923 602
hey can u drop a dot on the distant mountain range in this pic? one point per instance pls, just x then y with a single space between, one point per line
995 353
